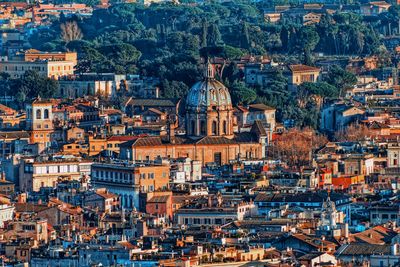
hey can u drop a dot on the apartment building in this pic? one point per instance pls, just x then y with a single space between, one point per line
128 180
52 65
37 173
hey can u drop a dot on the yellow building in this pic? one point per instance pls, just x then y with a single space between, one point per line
128 180
99 144
35 174
299 74
52 65
35 55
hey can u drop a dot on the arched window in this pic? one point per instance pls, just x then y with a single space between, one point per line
46 114
38 114
224 127
203 127
222 94
213 95
214 128
193 127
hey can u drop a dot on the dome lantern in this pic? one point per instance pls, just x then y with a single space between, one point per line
209 71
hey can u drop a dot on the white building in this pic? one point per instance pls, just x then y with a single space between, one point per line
216 212
6 213
191 169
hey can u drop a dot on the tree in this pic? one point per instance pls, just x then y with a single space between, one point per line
341 79
70 31
241 94
214 36
354 132
245 38
295 146
174 89
317 92
309 38
30 85
204 32
91 60
226 52
123 57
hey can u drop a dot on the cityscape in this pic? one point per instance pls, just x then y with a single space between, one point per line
210 133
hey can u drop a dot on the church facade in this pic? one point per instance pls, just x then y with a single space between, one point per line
209 131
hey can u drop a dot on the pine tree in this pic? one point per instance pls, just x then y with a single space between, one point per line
204 32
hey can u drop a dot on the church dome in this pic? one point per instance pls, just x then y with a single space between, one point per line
208 94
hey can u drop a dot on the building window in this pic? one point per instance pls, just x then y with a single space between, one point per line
38 114
203 127
193 127
214 128
224 127
46 114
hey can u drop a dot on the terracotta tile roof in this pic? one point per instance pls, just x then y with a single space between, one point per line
127 245
244 137
215 140
354 249
123 138
156 102
7 110
379 3
65 207
14 135
319 197
106 194
154 110
315 242
159 199
377 235
302 68
258 107
29 207
184 198
311 256
112 112
377 125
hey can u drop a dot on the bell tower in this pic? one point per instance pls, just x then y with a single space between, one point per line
40 122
